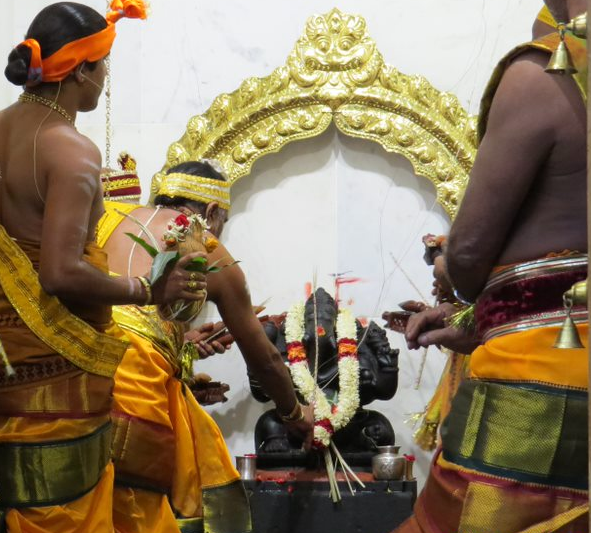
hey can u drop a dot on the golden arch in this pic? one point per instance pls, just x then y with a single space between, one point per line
335 72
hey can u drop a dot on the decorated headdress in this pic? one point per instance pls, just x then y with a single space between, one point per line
197 188
122 185
61 63
546 17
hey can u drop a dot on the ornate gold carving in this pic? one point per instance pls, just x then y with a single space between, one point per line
335 72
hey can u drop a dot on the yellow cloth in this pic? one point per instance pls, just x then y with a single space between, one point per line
202 459
142 511
529 356
75 332
165 441
111 219
50 399
143 440
546 17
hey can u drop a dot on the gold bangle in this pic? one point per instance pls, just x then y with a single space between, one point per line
148 288
296 414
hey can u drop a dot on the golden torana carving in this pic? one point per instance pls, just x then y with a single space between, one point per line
335 72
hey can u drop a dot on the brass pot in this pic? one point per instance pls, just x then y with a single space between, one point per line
387 463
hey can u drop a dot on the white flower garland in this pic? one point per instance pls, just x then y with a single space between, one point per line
328 418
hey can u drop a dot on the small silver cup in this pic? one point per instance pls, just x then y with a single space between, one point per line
247 466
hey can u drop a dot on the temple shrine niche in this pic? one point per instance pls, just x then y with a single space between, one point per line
335 74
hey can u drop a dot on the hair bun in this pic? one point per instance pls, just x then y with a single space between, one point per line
17 69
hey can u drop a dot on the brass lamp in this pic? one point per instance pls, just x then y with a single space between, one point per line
569 338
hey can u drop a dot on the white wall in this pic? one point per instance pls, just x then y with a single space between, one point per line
330 204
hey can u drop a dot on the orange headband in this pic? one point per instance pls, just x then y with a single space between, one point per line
60 64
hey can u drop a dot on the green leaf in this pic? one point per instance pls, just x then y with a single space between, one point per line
161 261
150 249
197 264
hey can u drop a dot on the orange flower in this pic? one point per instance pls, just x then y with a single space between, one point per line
296 352
211 243
347 349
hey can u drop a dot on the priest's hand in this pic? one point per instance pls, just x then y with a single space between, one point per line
210 339
177 283
208 392
304 427
429 327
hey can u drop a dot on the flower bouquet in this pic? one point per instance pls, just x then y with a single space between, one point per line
184 234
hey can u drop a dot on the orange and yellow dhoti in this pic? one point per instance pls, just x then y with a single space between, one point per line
173 471
55 433
514 451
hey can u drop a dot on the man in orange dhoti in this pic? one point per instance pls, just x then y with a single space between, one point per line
514 447
58 345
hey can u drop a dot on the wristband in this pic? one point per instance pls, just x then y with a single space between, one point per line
148 288
296 414
461 299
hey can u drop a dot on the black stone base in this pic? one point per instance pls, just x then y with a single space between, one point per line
306 507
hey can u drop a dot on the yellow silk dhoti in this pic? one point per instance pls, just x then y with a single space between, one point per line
173 470
55 432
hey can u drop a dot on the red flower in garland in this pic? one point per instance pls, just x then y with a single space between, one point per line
326 424
182 220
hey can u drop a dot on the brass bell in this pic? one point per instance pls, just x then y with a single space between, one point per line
578 26
568 338
578 293
561 61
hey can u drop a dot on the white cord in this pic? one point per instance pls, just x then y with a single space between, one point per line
135 243
59 88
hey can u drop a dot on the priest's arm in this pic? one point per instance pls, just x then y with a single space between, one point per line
520 135
228 290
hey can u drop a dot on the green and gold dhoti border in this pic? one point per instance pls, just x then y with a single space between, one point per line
52 473
529 433
217 519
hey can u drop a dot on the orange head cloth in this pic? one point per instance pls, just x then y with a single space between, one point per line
546 17
60 64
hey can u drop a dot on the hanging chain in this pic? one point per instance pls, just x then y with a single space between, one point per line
108 125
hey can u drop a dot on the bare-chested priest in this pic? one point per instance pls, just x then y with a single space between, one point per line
514 451
56 373
172 467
